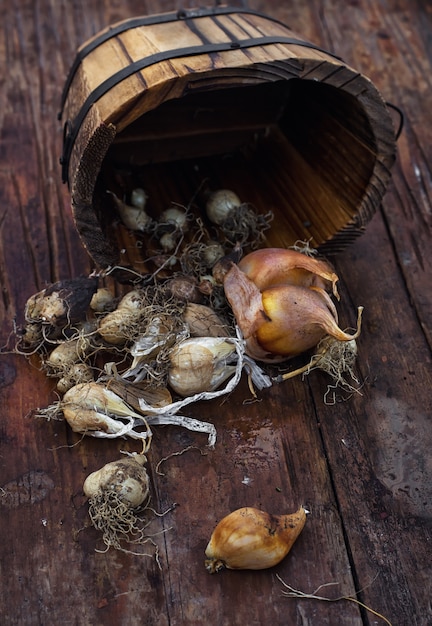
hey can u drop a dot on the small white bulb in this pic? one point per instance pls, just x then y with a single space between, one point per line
220 204
139 198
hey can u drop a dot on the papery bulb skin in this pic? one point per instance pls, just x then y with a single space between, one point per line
200 364
297 319
245 300
85 421
281 321
249 538
278 266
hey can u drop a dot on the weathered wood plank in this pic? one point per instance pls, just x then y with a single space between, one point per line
392 508
379 467
389 43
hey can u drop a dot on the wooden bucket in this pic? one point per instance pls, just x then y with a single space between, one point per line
233 98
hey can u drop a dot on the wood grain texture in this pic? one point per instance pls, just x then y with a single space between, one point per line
141 75
362 466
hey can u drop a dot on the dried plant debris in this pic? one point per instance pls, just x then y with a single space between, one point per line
291 592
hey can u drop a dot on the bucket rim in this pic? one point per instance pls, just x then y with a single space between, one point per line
160 18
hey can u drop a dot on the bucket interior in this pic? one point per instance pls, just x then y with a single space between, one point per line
300 149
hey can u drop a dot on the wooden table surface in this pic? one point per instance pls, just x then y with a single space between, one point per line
363 466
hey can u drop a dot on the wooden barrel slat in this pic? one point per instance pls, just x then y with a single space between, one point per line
319 157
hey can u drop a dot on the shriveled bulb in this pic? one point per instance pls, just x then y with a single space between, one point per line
133 217
62 303
78 373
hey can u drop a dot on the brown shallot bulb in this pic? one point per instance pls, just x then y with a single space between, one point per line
184 288
276 266
283 320
252 539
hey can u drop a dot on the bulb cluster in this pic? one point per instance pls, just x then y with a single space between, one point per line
282 302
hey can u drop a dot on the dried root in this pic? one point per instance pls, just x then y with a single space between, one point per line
295 593
245 226
336 358
119 524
